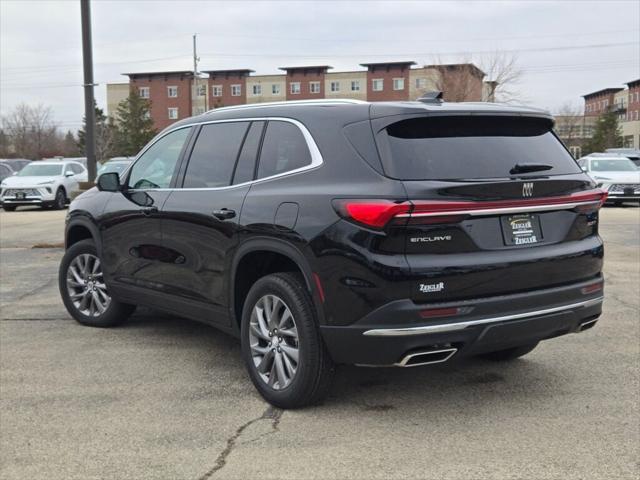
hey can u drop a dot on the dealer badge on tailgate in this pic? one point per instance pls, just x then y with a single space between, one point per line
522 229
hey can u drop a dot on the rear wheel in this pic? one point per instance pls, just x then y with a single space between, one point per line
281 343
509 353
83 290
9 208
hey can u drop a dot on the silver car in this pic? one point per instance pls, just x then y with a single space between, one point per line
618 175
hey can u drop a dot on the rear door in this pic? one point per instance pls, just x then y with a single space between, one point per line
201 215
499 205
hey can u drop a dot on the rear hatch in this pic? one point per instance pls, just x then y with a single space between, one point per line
496 205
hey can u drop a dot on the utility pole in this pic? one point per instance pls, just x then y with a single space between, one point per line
195 75
89 111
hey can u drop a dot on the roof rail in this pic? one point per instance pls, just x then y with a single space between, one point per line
290 102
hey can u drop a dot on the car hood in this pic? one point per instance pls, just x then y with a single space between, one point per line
616 177
26 181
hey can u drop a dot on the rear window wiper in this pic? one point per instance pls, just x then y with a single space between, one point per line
530 167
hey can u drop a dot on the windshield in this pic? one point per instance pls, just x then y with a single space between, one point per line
41 170
117 167
465 147
613 165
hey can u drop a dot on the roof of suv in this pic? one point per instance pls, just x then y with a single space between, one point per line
365 109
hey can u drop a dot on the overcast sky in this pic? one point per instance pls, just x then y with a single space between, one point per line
566 48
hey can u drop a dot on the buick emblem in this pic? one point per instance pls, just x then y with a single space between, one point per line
527 189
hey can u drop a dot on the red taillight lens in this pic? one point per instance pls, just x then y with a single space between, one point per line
440 312
596 287
372 213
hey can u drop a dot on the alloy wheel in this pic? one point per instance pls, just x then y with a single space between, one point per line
273 338
85 285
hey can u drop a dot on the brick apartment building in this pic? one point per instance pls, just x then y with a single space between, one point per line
174 95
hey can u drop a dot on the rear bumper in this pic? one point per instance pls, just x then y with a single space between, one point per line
389 334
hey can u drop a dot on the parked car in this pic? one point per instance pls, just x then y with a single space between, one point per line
16 164
5 171
114 165
47 184
631 153
619 176
346 232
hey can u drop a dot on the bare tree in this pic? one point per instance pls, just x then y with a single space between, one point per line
503 75
569 121
31 131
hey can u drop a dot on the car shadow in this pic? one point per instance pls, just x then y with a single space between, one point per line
464 383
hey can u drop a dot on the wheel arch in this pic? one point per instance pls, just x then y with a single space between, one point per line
81 229
268 249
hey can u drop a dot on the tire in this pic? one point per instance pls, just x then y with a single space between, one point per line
9 208
88 312
509 353
61 199
313 372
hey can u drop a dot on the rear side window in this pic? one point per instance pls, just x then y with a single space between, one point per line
284 149
448 148
214 155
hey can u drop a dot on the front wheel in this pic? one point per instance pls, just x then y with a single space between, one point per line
61 200
281 343
83 290
509 353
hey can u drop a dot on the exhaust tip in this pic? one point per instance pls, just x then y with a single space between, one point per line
587 325
426 357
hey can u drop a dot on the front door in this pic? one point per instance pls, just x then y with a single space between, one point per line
132 254
201 215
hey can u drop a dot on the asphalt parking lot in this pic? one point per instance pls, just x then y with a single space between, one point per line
166 398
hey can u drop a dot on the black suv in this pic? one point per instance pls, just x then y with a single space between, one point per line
321 233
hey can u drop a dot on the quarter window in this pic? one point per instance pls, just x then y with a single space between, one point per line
284 149
172 92
214 155
156 166
245 168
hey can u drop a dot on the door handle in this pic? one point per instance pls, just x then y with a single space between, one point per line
149 210
224 214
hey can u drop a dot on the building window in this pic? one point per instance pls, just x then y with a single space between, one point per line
314 87
236 90
217 90
172 92
421 82
377 84
295 88
173 113
143 92
256 89
275 89
355 85
201 90
398 83
335 86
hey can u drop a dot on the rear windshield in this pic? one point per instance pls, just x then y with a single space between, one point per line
457 147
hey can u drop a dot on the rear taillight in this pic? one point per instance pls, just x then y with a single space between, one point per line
379 213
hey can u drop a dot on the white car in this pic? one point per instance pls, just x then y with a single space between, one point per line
48 184
618 175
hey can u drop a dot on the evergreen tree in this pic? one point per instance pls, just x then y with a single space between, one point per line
70 146
135 125
105 133
607 134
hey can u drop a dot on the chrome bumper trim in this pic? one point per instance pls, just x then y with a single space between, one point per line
451 327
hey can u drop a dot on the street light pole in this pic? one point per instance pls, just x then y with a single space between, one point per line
89 110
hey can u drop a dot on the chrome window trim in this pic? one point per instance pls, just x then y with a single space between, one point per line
316 157
451 327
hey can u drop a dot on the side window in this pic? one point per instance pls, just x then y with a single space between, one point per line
155 168
284 149
214 155
248 156
76 168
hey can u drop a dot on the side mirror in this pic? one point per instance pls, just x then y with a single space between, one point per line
584 169
14 173
69 173
109 182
